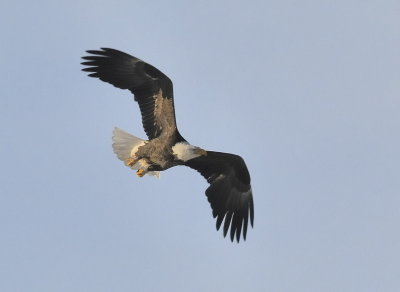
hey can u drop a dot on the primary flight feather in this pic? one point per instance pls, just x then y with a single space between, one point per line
229 193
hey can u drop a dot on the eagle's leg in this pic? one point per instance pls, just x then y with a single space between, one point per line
131 161
144 165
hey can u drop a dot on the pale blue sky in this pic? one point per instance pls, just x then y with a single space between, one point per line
307 92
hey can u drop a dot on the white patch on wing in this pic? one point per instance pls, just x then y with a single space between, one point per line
219 177
247 194
184 151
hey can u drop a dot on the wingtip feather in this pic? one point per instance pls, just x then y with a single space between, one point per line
227 222
252 213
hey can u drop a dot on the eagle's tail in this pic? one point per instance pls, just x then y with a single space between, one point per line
125 145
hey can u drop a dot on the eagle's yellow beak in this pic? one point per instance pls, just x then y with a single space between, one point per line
200 151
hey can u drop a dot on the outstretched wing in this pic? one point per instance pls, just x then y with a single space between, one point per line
152 88
229 193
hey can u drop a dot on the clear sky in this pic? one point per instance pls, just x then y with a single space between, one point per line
307 92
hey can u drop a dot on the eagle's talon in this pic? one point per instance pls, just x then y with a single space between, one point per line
141 172
130 161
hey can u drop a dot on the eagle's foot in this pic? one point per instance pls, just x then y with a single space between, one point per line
131 161
141 172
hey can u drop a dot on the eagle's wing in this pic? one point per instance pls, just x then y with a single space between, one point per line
152 88
229 193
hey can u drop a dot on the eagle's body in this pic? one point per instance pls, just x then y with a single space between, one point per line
229 192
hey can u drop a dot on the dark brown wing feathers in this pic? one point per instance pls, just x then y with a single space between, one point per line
142 79
229 193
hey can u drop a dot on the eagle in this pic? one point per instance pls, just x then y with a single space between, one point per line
229 192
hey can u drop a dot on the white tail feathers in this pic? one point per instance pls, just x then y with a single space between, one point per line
124 143
125 146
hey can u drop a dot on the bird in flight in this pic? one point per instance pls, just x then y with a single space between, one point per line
229 192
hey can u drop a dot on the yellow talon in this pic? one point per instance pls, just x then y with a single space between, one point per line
130 161
140 172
